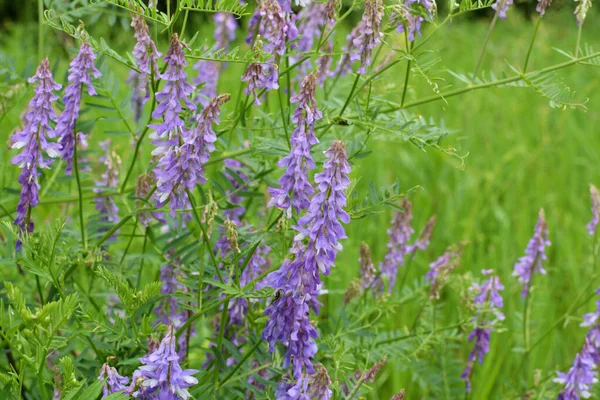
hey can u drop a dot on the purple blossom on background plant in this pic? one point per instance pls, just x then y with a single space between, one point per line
295 189
535 254
253 26
312 21
206 81
114 382
581 377
542 6
441 268
345 64
105 205
260 76
369 36
273 26
143 186
399 396
33 140
399 233
408 20
160 375
595 195
487 296
225 27
367 269
583 6
146 55
306 387
81 71
424 239
82 161
501 7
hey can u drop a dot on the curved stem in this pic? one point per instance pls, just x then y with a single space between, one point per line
537 27
350 95
79 195
487 39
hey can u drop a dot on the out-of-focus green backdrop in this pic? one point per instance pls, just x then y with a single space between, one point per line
522 155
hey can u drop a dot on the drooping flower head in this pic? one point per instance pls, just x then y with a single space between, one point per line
501 7
399 233
370 36
372 373
441 268
260 76
161 376
399 396
146 55
33 140
409 20
367 269
481 346
114 382
105 205
542 6
535 254
583 6
595 194
295 189
81 71
579 380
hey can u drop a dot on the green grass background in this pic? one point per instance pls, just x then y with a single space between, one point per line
522 155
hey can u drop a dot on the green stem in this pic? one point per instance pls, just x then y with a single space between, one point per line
487 39
80 195
537 27
40 29
240 363
223 322
578 40
350 95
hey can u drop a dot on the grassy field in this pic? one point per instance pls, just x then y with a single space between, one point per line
521 155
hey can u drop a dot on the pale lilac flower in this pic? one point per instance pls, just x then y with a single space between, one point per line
489 291
273 26
424 238
260 76
295 189
161 376
206 81
370 36
595 194
367 269
582 376
225 27
105 205
542 6
480 349
312 22
535 254
146 55
408 20
81 71
345 64
253 26
114 382
441 268
583 6
399 234
501 6
399 396
33 140
372 373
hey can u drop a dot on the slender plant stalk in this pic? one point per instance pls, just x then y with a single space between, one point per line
40 29
80 196
349 95
535 31
240 363
487 39
580 27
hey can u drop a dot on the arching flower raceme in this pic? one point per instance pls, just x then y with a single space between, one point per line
408 20
81 71
105 205
595 195
400 233
542 5
501 7
487 298
367 269
295 189
146 55
312 21
260 76
115 383
225 27
33 142
345 64
368 37
161 376
441 268
579 380
535 254
583 6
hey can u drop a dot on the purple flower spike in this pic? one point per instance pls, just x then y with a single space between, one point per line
542 6
295 190
441 268
106 205
369 36
595 194
260 76
535 254
161 376
367 269
345 64
480 349
489 291
81 70
400 233
33 140
501 6
580 379
114 382
225 27
322 222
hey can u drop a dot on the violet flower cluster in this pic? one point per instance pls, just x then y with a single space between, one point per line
535 254
408 20
295 189
146 55
33 142
369 36
542 6
581 377
487 298
298 280
161 376
81 71
400 233
313 21
367 269
306 387
501 7
595 195
115 383
441 268
106 205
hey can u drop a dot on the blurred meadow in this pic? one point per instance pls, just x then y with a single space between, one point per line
517 155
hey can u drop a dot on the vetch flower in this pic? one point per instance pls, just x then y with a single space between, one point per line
260 76
501 7
295 189
371 374
81 71
399 234
368 37
441 268
105 205
161 376
424 238
367 269
146 55
225 27
33 142
481 337
399 396
595 195
583 6
114 382
345 64
542 6
535 254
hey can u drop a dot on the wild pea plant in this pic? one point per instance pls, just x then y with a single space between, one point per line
195 264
